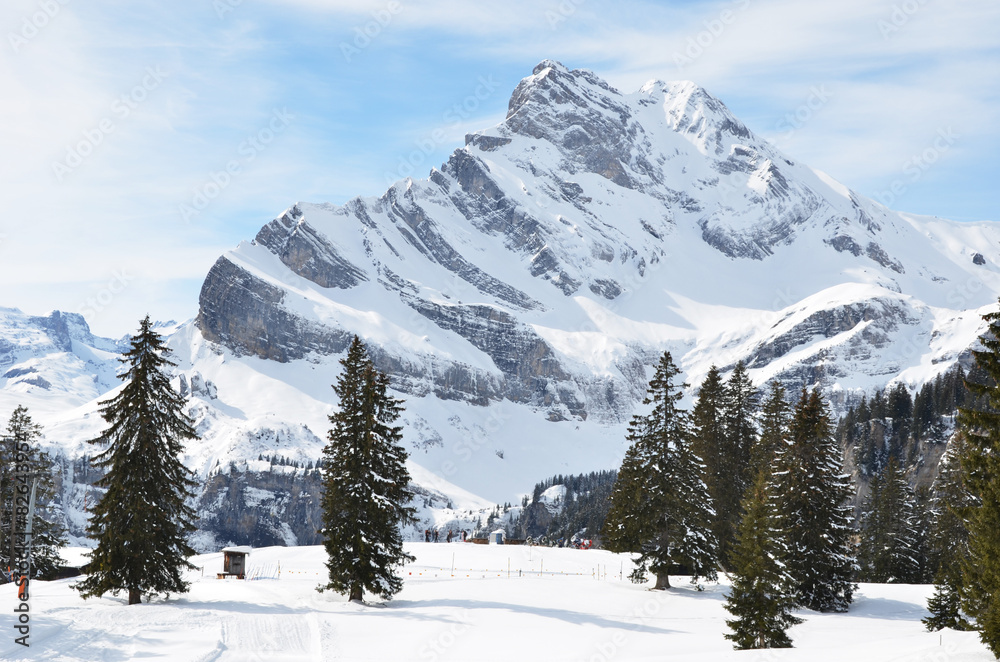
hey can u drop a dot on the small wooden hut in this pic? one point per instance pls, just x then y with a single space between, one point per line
234 562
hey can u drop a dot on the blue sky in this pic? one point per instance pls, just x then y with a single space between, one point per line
120 118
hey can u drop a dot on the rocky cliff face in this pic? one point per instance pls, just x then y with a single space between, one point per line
582 206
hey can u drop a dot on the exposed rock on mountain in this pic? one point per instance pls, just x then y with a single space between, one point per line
517 295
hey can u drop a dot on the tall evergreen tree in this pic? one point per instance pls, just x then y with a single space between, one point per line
709 443
725 432
660 506
923 410
900 410
981 463
949 539
365 483
812 494
142 522
775 415
22 462
741 401
922 526
763 595
889 538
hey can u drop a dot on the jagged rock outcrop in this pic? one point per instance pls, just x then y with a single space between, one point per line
243 311
307 253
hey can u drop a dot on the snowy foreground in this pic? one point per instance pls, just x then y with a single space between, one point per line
552 606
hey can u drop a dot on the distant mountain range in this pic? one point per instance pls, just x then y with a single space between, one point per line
518 297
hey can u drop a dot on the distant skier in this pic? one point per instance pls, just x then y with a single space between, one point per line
450 536
427 535
435 535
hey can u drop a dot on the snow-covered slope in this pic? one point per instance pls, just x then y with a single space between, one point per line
489 603
54 362
518 295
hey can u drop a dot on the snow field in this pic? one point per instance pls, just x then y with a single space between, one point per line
552 607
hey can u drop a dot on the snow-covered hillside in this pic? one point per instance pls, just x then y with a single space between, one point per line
519 294
555 604
54 362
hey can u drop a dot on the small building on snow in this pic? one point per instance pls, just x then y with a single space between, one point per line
497 537
234 562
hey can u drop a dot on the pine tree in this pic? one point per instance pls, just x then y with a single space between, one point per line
774 421
762 595
660 506
812 495
725 432
923 411
741 401
709 442
949 539
900 410
981 464
922 526
889 539
142 521
365 483
22 462
945 607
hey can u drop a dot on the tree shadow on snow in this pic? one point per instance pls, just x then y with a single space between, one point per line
627 621
886 608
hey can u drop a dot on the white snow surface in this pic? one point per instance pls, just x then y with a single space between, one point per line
556 604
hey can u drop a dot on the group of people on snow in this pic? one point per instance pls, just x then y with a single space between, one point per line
433 535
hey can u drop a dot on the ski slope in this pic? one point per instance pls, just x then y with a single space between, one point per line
551 606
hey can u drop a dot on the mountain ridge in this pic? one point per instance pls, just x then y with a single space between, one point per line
518 295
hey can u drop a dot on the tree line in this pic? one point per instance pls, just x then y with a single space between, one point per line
580 515
749 486
745 483
892 423
755 487
23 463
965 532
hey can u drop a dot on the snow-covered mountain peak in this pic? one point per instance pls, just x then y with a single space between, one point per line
551 83
671 141
518 295
703 119
624 137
